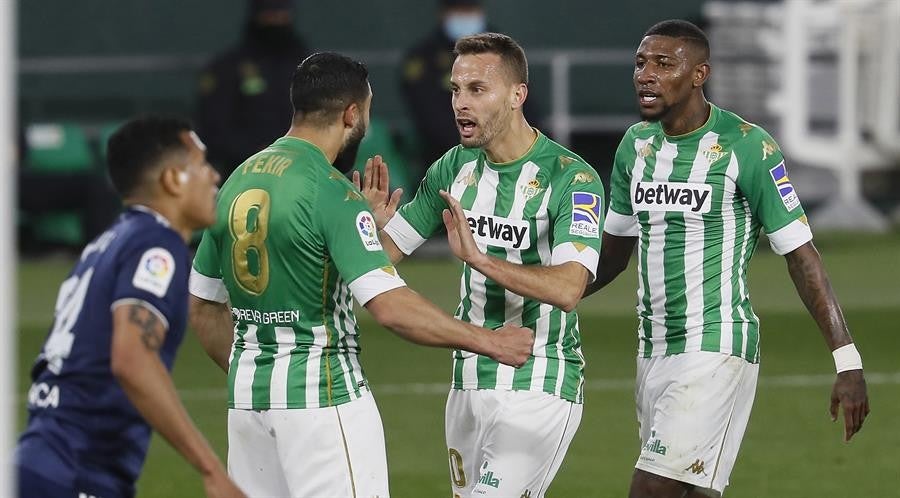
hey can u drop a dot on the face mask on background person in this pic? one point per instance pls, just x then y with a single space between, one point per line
464 24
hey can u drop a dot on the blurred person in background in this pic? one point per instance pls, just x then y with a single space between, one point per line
241 106
425 78
695 184
102 380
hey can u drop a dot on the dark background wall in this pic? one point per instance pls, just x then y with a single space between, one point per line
60 32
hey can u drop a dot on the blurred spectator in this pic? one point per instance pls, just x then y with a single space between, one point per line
426 77
242 107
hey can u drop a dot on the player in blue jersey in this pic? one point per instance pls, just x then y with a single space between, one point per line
102 378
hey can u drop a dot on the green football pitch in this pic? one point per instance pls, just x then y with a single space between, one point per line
791 449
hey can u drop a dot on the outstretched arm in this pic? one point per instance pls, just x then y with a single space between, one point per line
809 276
138 334
615 253
429 326
558 285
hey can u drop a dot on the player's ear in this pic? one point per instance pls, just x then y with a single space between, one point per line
520 93
701 74
172 180
351 115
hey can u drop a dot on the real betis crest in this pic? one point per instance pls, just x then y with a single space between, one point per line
531 189
714 153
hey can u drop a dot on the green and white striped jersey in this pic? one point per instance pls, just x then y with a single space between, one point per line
292 239
542 209
697 203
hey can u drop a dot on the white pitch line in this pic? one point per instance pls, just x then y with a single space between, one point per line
600 385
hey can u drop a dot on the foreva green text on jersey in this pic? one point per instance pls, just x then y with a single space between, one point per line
545 208
293 238
697 202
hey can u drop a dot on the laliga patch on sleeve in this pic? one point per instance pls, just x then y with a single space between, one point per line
586 215
154 271
784 186
365 225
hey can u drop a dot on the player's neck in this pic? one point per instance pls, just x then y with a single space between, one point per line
169 212
327 139
694 115
512 144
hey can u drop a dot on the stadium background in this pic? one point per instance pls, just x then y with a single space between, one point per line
94 62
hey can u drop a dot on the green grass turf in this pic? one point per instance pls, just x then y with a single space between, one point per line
791 450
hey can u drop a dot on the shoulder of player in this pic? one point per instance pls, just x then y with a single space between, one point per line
145 236
454 159
642 129
565 165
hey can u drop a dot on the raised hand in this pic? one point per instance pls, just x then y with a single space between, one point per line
512 345
462 243
375 187
850 392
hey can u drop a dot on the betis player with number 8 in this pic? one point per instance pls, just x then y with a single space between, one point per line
273 284
692 185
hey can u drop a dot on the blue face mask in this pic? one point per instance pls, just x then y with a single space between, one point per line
457 26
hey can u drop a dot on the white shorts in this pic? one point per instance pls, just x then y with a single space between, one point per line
507 443
693 409
335 452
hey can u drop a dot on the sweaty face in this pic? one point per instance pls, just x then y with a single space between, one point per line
201 180
482 93
664 71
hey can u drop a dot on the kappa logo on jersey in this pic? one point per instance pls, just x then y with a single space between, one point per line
155 271
672 196
784 186
586 208
365 225
499 231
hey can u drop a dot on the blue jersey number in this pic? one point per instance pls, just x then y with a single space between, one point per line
68 307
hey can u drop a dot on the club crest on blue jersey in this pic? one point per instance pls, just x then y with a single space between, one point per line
784 186
586 209
365 225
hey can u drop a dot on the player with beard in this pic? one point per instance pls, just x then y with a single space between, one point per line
525 216
692 185
272 286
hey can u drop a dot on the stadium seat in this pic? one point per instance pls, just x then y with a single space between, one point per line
58 148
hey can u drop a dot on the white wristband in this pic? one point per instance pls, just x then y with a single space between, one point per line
847 358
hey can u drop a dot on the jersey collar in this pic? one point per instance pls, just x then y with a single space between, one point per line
146 210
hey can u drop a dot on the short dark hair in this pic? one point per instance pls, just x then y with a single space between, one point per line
685 30
510 52
139 145
326 83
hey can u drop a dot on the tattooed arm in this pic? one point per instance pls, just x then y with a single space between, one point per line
808 273
138 334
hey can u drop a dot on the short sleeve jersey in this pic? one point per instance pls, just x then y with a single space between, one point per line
293 238
81 424
697 203
545 208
